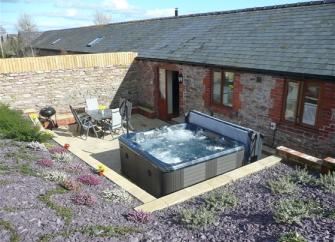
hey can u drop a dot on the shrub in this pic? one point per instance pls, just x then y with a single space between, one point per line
13 125
197 218
46 162
84 198
330 214
138 216
328 181
117 195
76 168
282 186
292 237
220 201
71 185
34 145
301 176
64 157
89 180
57 150
56 176
289 211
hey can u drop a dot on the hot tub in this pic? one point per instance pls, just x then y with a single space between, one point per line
164 160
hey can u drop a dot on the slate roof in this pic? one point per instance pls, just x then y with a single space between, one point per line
293 38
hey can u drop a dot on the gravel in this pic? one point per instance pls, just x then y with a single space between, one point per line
251 220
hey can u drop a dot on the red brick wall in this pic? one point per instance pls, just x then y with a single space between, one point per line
277 96
257 101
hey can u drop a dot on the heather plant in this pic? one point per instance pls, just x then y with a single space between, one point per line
55 176
292 237
283 185
117 195
71 185
199 218
220 201
46 162
139 216
13 125
301 176
75 168
57 150
328 181
84 198
290 211
37 146
64 157
89 179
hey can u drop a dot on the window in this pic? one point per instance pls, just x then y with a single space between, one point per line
302 101
55 42
94 42
222 88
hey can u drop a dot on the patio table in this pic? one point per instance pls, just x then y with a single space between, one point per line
99 115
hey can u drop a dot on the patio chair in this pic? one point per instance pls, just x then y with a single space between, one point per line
84 123
92 104
115 124
125 104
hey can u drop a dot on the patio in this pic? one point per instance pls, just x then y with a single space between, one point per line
104 150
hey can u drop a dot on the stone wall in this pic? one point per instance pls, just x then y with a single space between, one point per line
257 101
60 88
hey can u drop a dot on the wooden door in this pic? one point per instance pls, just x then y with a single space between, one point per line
162 100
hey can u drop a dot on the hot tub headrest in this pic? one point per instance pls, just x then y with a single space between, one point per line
244 135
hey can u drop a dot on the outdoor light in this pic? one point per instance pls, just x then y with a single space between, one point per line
180 77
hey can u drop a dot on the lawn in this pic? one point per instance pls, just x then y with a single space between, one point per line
47 194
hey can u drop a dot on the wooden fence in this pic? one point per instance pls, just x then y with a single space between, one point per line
59 62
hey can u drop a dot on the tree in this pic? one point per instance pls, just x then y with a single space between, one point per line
25 23
101 18
2 32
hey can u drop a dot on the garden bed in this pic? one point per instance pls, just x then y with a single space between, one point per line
35 206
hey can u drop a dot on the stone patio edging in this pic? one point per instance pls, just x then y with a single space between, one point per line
208 185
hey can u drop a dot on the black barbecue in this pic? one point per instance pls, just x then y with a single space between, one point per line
45 117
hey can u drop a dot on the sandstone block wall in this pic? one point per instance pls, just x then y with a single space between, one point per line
59 88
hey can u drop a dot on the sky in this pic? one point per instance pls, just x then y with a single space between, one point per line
60 14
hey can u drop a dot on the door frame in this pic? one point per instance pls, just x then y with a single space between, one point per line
162 105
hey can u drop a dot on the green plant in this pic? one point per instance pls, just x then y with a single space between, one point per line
330 214
56 176
92 231
290 211
217 201
328 181
19 155
283 185
25 169
117 195
14 236
13 125
64 157
292 237
61 211
5 182
301 176
197 218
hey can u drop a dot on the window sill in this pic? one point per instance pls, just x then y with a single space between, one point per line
313 129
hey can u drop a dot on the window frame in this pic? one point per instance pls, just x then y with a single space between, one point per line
303 84
222 84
